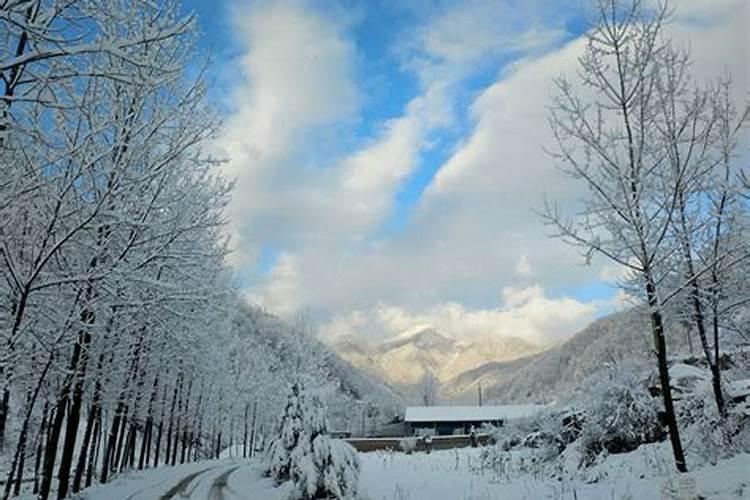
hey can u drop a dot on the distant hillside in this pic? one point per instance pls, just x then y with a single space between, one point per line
404 360
545 376
289 353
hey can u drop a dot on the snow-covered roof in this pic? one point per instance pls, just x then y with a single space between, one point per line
470 413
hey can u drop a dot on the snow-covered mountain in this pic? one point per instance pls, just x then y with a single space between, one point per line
545 376
509 369
406 359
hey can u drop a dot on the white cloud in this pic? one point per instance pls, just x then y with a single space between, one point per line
462 35
297 81
283 294
523 266
463 243
526 313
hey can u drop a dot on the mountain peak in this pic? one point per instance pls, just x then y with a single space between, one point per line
422 337
404 360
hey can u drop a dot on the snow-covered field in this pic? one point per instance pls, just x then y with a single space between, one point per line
449 475
446 475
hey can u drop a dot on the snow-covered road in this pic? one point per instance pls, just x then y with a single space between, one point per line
218 480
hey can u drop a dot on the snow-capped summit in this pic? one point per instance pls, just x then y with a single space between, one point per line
420 350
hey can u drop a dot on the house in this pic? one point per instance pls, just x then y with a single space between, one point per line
454 420
340 434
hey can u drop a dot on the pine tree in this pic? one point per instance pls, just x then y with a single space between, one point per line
304 453
288 432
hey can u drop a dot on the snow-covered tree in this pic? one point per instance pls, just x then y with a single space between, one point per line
289 431
642 140
303 452
428 389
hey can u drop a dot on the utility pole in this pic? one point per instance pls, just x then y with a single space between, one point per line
364 409
479 387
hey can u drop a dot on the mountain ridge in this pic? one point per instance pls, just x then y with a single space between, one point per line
404 360
548 375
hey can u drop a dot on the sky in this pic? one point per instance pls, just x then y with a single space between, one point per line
389 158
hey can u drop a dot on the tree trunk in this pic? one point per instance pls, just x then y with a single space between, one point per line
19 469
125 448
245 433
713 364
50 450
657 326
63 403
717 366
20 455
40 447
171 419
148 425
148 440
4 408
128 449
699 318
145 444
176 436
231 437
87 447
18 459
19 307
94 454
184 412
253 429
157 446
74 413
120 442
109 451
199 438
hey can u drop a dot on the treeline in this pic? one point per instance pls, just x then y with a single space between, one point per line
115 302
667 192
124 343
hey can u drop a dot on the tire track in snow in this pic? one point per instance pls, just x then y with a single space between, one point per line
220 484
138 493
181 487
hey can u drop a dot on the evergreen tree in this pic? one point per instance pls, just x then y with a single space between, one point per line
288 431
304 453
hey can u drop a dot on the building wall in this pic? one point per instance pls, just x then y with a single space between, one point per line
438 443
445 428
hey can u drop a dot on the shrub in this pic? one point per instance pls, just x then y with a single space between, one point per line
620 416
408 445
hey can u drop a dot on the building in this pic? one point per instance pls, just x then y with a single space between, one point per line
454 420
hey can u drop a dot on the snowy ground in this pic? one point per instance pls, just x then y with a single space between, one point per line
441 475
444 475
213 480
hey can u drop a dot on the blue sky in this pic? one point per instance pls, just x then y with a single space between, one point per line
389 159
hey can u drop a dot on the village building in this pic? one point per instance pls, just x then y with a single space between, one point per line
457 420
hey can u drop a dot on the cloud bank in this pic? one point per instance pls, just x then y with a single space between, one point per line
315 193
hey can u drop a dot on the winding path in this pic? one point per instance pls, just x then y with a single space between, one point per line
183 487
202 484
220 485
226 479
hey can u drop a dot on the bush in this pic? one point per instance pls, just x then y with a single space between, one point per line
620 416
710 436
408 445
